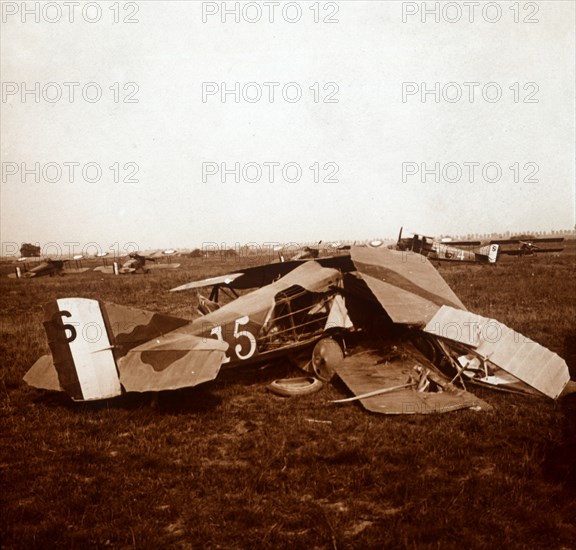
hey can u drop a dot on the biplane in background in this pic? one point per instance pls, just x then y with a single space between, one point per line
293 251
47 267
448 251
527 245
398 305
139 263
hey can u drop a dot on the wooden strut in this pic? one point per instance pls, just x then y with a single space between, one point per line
454 363
372 393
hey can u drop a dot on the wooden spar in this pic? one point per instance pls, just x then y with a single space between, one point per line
372 393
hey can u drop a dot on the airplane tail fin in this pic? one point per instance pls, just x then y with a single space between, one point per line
81 349
490 251
100 348
493 253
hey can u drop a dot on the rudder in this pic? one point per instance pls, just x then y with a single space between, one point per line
81 349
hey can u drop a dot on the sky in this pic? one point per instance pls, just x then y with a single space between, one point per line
164 124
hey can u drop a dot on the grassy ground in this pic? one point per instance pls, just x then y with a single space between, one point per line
229 465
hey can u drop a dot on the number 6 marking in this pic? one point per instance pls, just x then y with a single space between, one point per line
67 327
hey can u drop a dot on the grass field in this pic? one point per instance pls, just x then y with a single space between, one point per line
230 465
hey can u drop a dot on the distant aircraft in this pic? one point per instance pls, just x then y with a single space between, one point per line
398 305
527 245
304 253
450 251
308 253
46 267
136 263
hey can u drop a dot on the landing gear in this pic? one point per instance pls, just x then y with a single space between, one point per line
326 355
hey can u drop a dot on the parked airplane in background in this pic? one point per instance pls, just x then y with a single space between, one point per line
287 252
527 245
46 267
449 251
136 263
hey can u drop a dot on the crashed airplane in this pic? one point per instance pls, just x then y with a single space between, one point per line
385 322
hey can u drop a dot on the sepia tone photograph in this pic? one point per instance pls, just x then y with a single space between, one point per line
288 274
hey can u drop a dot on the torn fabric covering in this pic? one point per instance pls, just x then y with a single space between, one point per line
338 316
526 360
406 285
310 276
367 372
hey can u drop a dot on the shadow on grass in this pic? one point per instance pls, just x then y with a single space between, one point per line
560 458
172 402
199 399
570 353
257 374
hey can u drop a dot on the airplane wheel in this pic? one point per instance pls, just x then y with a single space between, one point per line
327 354
288 387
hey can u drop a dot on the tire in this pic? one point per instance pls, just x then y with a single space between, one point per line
290 387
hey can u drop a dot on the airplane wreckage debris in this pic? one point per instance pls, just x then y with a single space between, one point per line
385 323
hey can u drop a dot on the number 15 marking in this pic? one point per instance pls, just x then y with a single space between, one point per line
217 331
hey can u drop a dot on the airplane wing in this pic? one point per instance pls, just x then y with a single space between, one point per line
529 245
407 286
211 281
109 269
75 270
539 240
162 266
520 252
527 362
170 362
151 253
42 374
406 385
262 275
252 277
47 267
